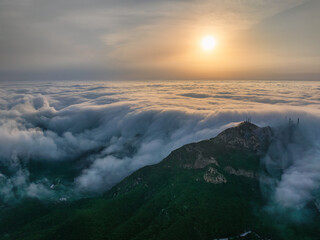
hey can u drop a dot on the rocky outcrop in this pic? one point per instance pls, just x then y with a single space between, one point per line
241 172
213 176
199 161
245 136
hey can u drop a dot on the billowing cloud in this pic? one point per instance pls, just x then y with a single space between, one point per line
66 140
292 168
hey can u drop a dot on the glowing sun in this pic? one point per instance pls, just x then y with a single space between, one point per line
208 43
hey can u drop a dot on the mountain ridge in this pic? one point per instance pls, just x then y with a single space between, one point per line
205 190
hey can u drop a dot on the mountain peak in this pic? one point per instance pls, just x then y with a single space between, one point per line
247 125
245 135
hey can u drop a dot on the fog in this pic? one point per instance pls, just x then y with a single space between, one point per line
292 164
75 139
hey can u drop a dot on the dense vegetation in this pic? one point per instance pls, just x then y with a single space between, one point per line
170 200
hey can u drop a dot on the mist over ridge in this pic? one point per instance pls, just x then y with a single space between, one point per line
159 120
67 140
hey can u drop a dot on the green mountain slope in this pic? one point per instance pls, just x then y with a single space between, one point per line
203 190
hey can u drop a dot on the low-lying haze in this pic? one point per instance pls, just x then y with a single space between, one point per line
73 139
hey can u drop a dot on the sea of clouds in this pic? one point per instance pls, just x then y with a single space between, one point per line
65 140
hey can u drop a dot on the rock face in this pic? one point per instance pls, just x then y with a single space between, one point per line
200 161
241 172
213 155
245 136
213 176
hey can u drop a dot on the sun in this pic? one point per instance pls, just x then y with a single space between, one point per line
208 43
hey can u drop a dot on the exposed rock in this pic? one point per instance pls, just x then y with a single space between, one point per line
213 176
241 172
245 136
200 162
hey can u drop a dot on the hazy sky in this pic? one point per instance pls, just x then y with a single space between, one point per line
149 39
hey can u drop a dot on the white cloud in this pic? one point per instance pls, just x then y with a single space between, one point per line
86 137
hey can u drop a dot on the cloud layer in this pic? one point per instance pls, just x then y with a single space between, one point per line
75 139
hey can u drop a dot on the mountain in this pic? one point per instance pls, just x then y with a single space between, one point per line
204 190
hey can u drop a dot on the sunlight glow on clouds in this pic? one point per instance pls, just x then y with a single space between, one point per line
89 136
